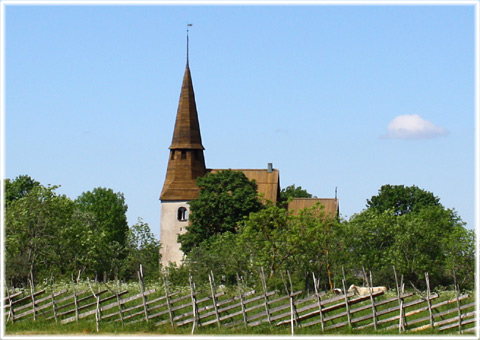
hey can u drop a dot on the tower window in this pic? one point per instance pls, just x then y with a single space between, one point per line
182 214
172 155
184 154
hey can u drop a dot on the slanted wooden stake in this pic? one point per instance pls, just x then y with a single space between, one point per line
293 311
167 297
194 304
32 290
347 307
214 299
142 289
319 301
242 304
10 302
97 311
457 290
120 306
401 322
428 300
372 300
265 296
54 305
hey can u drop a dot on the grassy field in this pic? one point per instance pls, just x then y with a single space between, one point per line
88 326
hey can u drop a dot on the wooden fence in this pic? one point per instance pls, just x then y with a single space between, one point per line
406 312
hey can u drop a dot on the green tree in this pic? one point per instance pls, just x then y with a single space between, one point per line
110 230
225 198
33 242
401 199
221 254
109 209
264 237
142 249
18 188
409 228
293 192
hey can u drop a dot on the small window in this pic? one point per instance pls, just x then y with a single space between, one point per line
184 154
172 155
182 214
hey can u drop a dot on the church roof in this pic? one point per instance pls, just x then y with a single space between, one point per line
330 204
186 134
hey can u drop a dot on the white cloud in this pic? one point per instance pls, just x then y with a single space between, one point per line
413 127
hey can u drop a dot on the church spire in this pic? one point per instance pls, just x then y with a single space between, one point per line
186 161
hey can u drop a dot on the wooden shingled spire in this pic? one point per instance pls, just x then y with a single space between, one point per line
186 162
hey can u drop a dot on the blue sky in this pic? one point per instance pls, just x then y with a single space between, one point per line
352 97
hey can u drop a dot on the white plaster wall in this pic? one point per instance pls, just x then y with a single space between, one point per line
170 227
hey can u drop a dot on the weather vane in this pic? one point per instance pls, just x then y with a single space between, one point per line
188 25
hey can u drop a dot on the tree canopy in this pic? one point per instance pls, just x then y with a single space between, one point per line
50 234
18 188
400 199
293 191
225 198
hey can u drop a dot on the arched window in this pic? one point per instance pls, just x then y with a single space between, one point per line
182 214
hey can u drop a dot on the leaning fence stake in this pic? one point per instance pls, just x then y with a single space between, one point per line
457 290
194 303
428 300
97 311
214 299
265 296
32 290
242 304
401 324
372 300
347 307
142 289
54 305
319 301
167 297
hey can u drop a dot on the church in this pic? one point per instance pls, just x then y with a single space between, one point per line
186 163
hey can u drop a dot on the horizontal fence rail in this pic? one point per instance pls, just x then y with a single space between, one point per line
211 305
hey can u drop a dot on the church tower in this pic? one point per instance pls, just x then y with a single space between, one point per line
186 163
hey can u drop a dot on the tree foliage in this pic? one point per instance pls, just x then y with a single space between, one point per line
408 228
18 188
225 198
293 191
49 234
400 199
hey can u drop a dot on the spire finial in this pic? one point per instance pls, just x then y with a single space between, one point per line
188 25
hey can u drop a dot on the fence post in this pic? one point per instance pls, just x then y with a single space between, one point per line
319 301
372 300
97 311
54 306
401 321
10 302
428 300
265 296
347 307
142 289
457 289
75 297
194 303
32 291
120 308
214 299
240 294
293 310
167 297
